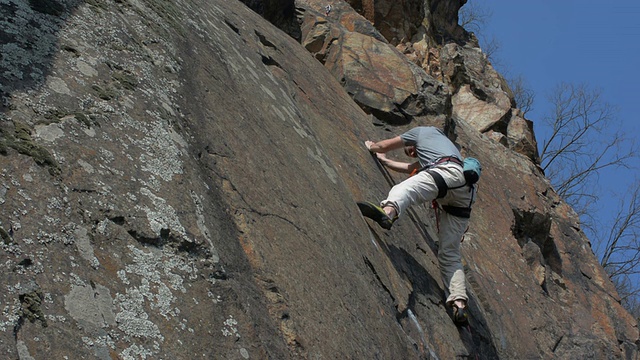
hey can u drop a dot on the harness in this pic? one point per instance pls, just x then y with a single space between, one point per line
443 188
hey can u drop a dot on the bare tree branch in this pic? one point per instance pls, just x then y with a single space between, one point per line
473 17
629 294
490 48
584 142
581 143
522 94
621 250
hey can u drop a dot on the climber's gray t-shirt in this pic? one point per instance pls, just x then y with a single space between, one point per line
431 144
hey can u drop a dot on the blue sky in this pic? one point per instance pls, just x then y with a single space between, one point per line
592 42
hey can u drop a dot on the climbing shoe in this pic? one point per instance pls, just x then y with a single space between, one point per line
460 316
376 214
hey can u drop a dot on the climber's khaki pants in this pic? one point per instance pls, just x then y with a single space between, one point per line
421 188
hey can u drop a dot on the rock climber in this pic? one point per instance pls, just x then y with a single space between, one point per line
438 175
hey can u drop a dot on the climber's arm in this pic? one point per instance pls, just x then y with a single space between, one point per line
384 146
399 166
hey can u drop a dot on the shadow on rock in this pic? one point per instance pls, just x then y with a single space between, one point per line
30 42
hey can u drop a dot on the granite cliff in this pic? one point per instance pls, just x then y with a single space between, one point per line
179 181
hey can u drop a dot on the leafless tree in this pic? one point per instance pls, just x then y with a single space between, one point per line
629 297
620 250
473 16
629 293
522 94
490 47
585 140
623 237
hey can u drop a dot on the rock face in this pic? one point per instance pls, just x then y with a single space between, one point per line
179 181
383 81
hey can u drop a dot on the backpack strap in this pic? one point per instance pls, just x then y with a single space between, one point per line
463 212
443 188
440 183
459 211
